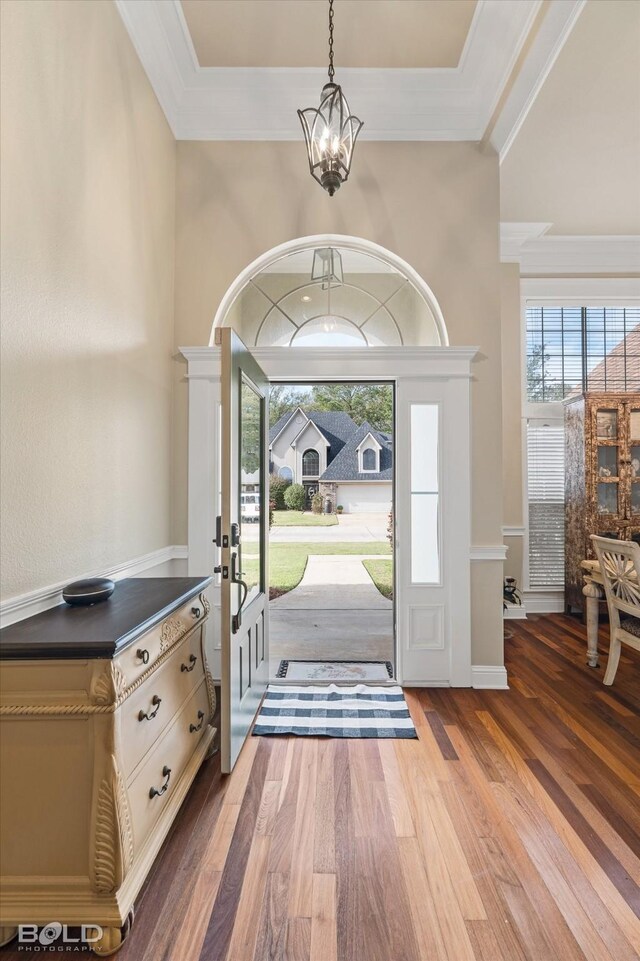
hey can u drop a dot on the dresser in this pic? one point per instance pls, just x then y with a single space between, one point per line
105 717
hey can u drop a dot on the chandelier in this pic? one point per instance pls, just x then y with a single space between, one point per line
330 131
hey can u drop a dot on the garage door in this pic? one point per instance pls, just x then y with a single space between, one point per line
365 498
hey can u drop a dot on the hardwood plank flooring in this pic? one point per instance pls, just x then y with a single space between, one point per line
510 831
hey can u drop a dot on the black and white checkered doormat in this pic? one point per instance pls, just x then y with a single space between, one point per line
332 711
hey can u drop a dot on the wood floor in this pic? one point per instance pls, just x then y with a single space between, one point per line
509 832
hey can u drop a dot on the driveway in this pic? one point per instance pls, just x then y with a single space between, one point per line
353 528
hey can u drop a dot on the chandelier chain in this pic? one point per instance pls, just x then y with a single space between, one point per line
331 70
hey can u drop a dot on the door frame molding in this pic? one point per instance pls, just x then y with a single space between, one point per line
423 364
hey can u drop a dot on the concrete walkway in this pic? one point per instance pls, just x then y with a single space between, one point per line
334 581
335 613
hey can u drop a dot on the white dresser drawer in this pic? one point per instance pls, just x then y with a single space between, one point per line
145 715
135 659
169 754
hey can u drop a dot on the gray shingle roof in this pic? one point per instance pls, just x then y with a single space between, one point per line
345 466
344 436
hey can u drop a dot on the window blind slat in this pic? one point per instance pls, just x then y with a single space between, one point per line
545 478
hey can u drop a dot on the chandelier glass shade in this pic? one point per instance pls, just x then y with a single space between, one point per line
330 131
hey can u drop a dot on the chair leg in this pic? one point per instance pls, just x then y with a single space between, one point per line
612 663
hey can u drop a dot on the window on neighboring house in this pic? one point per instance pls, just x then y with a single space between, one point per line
369 460
286 473
571 349
310 463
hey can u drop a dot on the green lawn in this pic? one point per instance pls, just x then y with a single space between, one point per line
287 562
381 573
303 519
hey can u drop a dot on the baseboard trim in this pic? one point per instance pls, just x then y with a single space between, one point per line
543 602
489 677
34 602
514 612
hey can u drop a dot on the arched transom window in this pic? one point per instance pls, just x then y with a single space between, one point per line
331 297
310 463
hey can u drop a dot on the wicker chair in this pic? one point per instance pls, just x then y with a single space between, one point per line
620 566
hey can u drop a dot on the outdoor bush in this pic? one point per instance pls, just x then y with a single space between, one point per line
277 488
272 507
316 503
295 497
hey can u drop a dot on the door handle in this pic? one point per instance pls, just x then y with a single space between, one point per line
236 578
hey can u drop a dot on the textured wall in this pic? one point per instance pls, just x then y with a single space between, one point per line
434 204
88 178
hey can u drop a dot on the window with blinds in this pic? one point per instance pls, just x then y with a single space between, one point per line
545 482
572 349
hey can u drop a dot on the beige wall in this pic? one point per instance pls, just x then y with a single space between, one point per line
510 311
88 177
575 161
434 204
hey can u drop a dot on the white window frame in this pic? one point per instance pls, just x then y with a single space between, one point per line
559 292
376 447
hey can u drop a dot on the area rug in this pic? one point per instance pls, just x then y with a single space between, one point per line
332 711
335 670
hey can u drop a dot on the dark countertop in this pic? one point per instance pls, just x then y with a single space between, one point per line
103 630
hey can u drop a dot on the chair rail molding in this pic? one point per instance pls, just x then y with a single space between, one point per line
488 552
34 602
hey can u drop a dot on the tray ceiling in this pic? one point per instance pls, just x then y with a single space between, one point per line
252 33
423 70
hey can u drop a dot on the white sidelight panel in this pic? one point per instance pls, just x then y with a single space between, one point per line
433 515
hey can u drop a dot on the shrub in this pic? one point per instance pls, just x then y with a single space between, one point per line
339 509
390 528
277 487
316 503
272 507
295 497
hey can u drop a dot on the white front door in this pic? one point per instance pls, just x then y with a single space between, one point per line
242 537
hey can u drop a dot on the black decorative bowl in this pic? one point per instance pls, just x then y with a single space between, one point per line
91 591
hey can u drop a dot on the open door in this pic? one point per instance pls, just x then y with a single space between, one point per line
241 533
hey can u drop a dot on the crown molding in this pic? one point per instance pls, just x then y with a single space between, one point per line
229 103
578 291
539 252
555 29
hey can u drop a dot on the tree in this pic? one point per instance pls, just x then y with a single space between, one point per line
283 400
540 386
295 497
277 489
370 402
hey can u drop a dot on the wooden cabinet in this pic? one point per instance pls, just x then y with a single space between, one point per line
602 478
105 718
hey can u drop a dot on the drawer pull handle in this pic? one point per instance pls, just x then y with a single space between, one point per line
142 716
192 662
196 727
143 655
196 611
158 792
